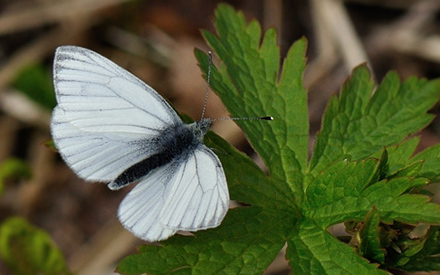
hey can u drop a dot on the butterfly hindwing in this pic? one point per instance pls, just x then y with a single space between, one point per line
183 195
140 210
199 199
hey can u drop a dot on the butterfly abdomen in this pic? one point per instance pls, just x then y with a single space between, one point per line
174 142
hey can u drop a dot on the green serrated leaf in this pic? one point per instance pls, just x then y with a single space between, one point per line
315 251
412 169
393 202
333 196
424 257
347 176
384 166
431 166
369 245
229 249
356 125
247 82
246 182
26 249
400 154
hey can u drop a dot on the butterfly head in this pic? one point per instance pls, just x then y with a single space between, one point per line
201 128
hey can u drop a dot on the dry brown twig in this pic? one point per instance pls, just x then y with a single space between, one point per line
103 251
335 33
51 12
17 105
408 34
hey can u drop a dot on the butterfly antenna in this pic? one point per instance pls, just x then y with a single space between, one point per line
208 80
244 118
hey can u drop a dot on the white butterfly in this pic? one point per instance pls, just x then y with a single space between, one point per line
109 126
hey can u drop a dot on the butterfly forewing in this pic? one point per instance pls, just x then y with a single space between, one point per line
98 95
96 156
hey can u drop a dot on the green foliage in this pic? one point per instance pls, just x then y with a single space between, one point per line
369 235
36 83
13 168
417 254
362 170
26 249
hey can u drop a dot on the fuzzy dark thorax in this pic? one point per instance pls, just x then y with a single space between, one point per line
175 142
